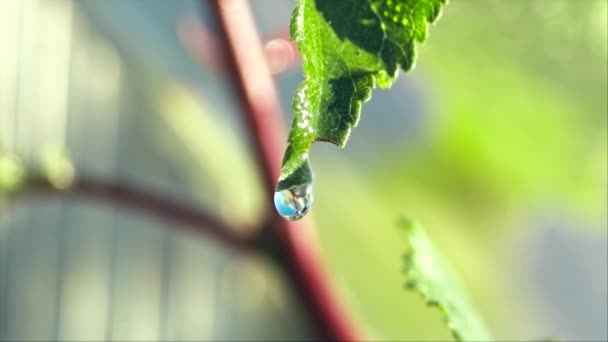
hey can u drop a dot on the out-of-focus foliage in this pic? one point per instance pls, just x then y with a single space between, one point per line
428 273
522 117
347 48
512 128
496 142
11 173
57 167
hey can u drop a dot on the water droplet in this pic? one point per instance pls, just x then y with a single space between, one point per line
294 203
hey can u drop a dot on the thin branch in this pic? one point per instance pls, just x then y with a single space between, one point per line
296 246
253 84
281 53
128 197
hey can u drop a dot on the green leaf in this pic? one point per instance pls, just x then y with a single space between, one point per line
427 273
12 173
347 47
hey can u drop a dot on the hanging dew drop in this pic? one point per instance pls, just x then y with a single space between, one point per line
294 203
293 193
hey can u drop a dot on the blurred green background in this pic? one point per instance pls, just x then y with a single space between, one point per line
496 142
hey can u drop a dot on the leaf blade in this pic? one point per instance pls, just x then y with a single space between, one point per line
348 48
427 273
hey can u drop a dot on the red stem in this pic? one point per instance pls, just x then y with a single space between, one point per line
261 108
125 196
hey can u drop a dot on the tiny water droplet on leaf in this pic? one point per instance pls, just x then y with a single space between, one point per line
294 203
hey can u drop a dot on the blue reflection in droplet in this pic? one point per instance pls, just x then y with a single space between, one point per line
294 203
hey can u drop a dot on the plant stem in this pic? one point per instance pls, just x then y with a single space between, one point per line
125 196
253 84
296 246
